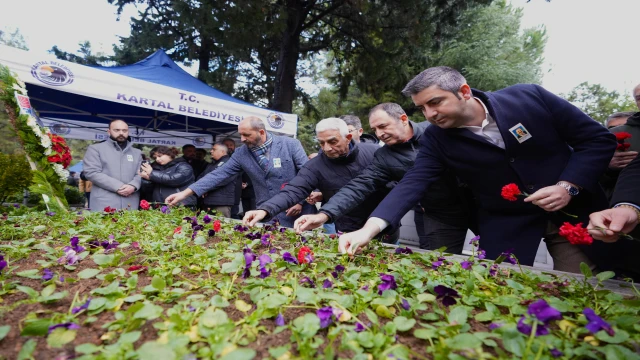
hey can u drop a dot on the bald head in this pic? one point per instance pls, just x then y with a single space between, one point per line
252 131
118 131
636 95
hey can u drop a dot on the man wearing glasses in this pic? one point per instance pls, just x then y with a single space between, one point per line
355 129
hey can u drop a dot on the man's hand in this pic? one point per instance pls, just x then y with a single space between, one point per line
294 210
314 197
351 243
550 198
621 159
174 199
252 217
126 190
308 222
605 225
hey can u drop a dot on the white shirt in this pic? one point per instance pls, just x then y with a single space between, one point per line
488 130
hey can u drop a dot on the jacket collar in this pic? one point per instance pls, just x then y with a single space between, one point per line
115 144
634 120
351 155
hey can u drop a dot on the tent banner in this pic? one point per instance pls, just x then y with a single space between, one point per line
47 71
96 131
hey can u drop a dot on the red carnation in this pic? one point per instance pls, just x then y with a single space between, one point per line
621 136
305 255
178 230
623 147
576 234
140 268
109 209
144 205
216 225
510 191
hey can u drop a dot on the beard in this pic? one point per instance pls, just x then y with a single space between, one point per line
120 138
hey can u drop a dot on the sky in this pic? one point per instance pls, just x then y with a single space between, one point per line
589 40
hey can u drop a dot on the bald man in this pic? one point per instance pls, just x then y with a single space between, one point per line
270 161
112 166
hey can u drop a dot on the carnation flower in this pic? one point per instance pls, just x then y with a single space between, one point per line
144 205
575 234
305 255
510 191
216 225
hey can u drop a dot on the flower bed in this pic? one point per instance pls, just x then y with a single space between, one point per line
160 284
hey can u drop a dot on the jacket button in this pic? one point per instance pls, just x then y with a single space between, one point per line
512 160
530 187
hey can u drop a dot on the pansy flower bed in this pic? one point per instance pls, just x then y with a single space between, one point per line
165 284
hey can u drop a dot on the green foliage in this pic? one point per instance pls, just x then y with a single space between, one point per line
596 101
15 175
85 57
73 195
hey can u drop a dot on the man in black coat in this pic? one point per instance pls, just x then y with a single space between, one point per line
235 209
446 218
341 160
189 153
222 199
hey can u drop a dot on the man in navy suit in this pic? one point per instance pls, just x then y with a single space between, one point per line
522 134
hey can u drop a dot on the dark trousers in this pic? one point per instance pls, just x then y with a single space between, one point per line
235 210
438 234
418 219
248 204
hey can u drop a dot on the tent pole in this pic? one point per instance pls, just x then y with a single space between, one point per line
155 119
186 124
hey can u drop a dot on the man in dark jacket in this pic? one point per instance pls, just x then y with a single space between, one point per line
341 160
235 209
355 129
446 215
189 154
222 199
522 135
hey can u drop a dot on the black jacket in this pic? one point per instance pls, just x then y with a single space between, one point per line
223 196
444 201
197 165
369 139
329 176
169 179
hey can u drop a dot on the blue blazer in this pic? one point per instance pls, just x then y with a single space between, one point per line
266 184
565 144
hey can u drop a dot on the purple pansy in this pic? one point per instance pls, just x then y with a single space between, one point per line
253 236
596 323
508 256
359 327
289 258
84 306
67 325
339 268
165 209
265 240
436 264
475 241
405 250
493 270
282 230
51 213
543 311
447 295
526 329
211 233
240 228
556 353
306 280
388 283
207 219
47 274
280 320
3 263
191 308
405 304
249 258
325 314
365 288
17 206
327 284
494 326
264 273
272 251
466 264
264 260
481 254
70 258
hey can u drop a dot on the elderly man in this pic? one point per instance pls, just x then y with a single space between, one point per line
270 161
341 160
222 199
112 166
557 163
445 211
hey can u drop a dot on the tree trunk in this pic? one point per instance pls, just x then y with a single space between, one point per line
204 56
285 84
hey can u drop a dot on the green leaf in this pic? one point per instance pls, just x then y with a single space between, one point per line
307 296
386 301
484 316
586 271
212 318
47 291
102 259
158 283
278 351
97 303
464 341
219 301
60 337
365 339
31 274
372 316
605 275
273 301
4 330
515 285
27 349
148 312
55 297
156 351
37 327
87 348
513 341
27 290
403 324
416 283
134 298
618 337
425 334
426 297
240 354
307 326
383 311
242 306
130 337
506 300
88 273
458 315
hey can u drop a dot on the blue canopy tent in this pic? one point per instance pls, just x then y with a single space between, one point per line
154 94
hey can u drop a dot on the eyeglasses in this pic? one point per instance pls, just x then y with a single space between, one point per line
352 130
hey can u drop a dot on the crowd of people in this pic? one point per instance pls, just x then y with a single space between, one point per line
449 169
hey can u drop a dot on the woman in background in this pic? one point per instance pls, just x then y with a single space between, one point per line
172 175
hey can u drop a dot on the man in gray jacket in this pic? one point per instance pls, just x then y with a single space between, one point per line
270 161
112 166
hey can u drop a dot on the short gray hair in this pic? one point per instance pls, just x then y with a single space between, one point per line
392 109
221 146
352 120
618 115
443 77
333 124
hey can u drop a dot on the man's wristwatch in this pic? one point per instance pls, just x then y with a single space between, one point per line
572 190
